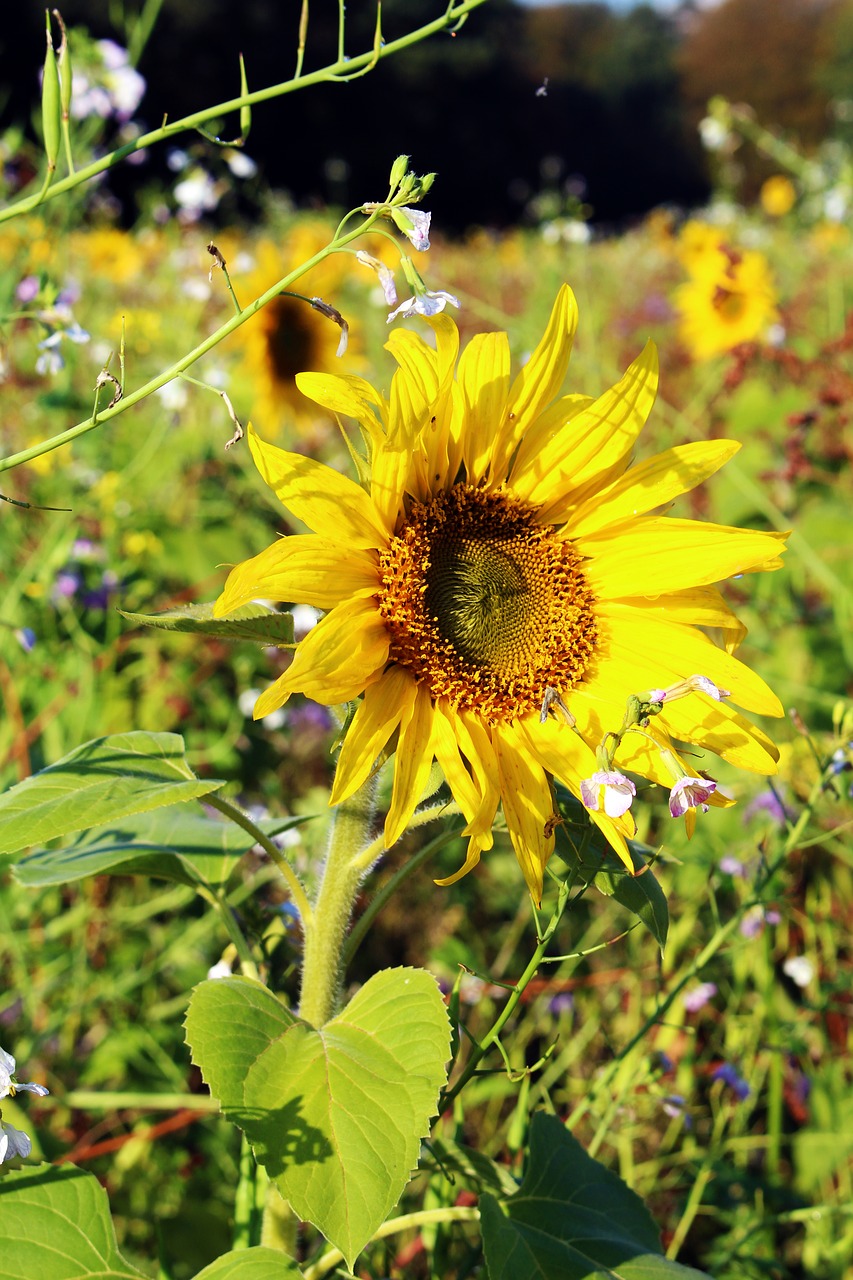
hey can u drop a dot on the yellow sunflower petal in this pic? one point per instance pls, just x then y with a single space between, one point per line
669 652
378 715
341 656
458 777
527 804
694 606
472 857
326 501
539 380
651 484
595 442
349 395
412 764
432 459
271 699
564 755
301 568
484 378
682 553
414 385
546 427
720 728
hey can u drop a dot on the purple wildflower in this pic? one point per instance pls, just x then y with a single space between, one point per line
698 997
729 1075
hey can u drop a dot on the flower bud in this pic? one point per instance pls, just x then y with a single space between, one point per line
399 169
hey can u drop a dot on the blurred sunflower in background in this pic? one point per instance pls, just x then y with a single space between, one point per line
288 335
499 560
729 296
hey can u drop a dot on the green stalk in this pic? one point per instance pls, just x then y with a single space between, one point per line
153 384
516 992
341 70
325 933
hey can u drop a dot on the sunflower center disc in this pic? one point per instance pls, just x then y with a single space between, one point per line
486 606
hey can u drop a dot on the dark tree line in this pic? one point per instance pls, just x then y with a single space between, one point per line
615 115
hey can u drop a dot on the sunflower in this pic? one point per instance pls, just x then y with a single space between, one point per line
729 297
500 560
287 335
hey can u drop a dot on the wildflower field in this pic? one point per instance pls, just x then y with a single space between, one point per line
575 645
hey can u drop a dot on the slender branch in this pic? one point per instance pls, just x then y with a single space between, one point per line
213 339
340 69
294 884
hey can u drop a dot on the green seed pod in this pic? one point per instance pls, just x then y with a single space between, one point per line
245 110
51 108
64 65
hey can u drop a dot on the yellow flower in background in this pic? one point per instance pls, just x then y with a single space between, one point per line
500 561
729 297
118 256
778 195
698 247
287 335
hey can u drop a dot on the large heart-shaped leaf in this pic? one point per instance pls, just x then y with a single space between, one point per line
571 1219
335 1115
102 781
229 1024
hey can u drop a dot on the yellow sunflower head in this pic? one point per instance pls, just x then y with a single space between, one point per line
728 299
287 335
498 591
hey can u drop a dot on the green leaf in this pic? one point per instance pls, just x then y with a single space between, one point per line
256 622
640 893
346 1107
102 781
259 1263
229 1023
335 1115
584 849
179 843
57 1225
571 1219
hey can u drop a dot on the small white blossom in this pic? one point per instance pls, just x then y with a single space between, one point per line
8 1086
13 1143
608 790
221 969
799 969
385 274
418 232
690 793
428 303
713 133
693 684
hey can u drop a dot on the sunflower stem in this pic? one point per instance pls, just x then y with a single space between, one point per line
322 969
